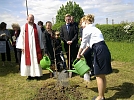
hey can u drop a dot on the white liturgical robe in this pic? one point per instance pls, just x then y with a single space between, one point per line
34 69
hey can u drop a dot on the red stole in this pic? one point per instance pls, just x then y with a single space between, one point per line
37 45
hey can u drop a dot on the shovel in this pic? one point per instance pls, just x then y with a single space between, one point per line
55 73
70 73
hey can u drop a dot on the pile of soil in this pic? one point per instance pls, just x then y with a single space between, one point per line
56 92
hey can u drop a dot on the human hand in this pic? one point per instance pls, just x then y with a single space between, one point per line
45 54
14 38
78 56
69 42
4 34
22 50
80 39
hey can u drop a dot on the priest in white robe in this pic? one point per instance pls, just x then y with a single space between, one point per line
30 43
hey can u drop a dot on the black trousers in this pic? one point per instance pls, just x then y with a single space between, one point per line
73 51
15 53
19 55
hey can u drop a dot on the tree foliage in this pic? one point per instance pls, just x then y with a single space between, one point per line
70 8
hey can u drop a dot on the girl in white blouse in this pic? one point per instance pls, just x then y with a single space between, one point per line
102 56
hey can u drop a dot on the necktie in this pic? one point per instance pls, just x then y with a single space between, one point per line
68 27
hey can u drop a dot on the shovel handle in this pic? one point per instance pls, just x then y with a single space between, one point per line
69 57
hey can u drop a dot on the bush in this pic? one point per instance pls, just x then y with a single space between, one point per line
117 32
57 26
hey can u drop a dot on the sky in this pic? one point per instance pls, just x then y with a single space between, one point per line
14 11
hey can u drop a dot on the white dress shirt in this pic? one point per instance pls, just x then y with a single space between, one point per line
91 35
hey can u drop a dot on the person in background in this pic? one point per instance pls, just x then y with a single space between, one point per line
60 60
80 31
14 36
69 36
5 36
102 56
47 38
30 42
73 22
40 23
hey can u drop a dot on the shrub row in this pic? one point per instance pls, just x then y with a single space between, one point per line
116 32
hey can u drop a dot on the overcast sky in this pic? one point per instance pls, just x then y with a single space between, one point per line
14 11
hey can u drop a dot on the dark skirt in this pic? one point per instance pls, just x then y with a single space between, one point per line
102 59
7 54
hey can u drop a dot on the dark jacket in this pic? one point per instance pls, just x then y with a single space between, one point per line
42 29
57 45
76 26
69 36
16 35
81 31
48 45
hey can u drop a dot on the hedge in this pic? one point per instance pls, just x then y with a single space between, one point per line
116 33
110 32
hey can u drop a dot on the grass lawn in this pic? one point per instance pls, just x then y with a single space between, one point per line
120 84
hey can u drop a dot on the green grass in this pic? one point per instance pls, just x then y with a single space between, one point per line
120 84
121 51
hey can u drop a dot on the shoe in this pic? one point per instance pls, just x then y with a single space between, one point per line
29 78
38 78
91 74
96 97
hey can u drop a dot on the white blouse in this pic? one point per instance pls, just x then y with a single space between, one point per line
91 35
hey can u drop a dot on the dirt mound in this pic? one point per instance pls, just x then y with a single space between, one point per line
55 92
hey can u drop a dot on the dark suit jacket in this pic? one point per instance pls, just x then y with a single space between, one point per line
48 45
81 31
76 26
69 36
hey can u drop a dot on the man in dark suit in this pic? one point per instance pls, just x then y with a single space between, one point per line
70 37
75 24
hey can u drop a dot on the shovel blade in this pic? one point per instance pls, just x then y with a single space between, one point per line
70 75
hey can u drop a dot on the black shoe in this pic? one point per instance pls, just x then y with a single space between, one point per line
29 78
91 74
38 78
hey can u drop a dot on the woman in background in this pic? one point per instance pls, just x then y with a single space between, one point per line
5 36
14 37
47 37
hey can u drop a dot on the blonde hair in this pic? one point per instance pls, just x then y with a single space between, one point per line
89 18
16 25
82 20
67 15
57 32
